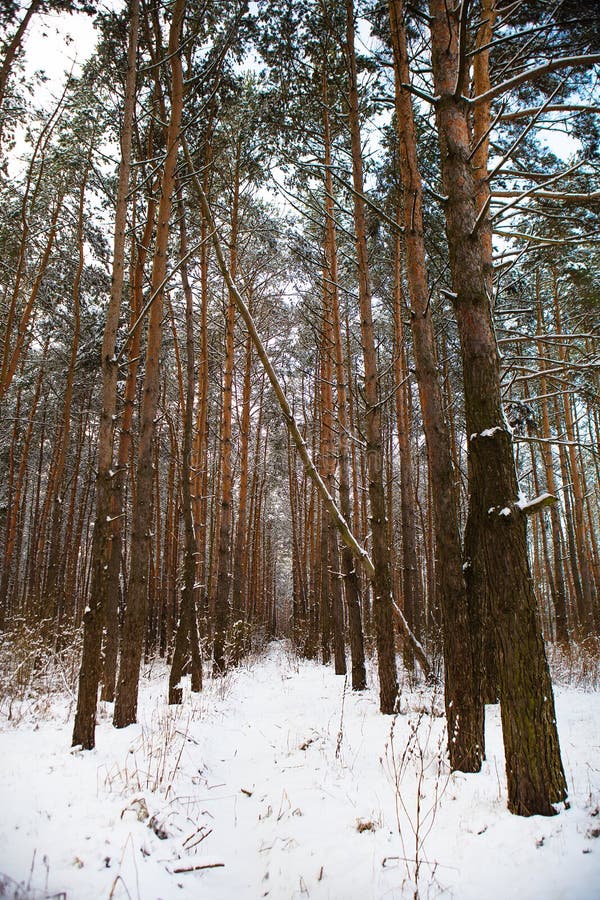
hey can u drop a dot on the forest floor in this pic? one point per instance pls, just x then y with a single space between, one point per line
278 781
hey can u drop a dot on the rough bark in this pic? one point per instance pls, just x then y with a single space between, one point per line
496 524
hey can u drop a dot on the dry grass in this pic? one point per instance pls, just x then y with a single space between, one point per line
576 665
36 669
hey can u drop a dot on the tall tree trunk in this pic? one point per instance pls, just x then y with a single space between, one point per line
382 584
124 455
331 344
410 586
560 592
137 594
464 706
186 654
54 580
240 555
350 575
89 673
200 446
222 597
496 526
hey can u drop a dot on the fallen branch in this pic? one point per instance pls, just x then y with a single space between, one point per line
183 869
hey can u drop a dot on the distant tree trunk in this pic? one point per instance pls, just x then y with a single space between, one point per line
588 599
124 454
330 347
186 654
323 422
137 594
54 580
351 578
410 583
94 619
200 446
560 593
496 527
240 556
222 597
382 585
14 507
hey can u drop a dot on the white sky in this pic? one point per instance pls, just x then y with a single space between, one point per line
57 43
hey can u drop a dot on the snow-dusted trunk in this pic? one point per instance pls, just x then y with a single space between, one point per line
100 586
496 539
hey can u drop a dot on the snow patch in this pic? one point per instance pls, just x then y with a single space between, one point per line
278 778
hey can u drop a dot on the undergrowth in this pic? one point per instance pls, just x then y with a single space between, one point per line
36 669
576 665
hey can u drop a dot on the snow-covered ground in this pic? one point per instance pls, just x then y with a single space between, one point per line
277 781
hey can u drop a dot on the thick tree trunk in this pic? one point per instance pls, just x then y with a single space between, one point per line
496 530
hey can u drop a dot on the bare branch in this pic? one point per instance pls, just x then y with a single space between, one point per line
555 107
565 62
